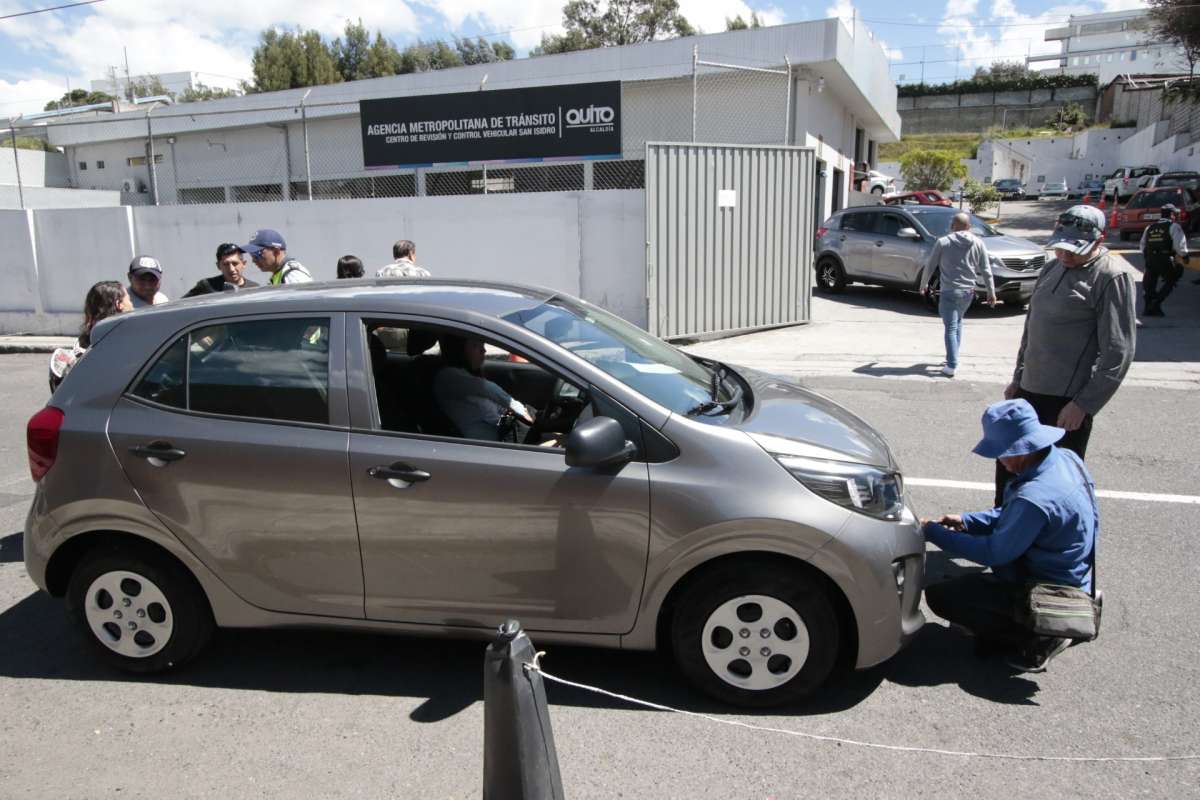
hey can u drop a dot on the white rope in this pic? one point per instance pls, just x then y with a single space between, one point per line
534 667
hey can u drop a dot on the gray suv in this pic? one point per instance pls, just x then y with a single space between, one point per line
889 246
432 457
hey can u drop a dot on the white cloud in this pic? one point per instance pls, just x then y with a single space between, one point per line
526 19
710 17
843 10
28 96
892 53
965 30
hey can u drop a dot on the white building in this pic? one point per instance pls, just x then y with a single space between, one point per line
837 98
1111 44
175 83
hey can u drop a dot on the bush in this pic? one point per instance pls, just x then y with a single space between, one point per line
1033 81
931 169
979 195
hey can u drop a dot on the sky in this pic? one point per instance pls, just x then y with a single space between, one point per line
41 54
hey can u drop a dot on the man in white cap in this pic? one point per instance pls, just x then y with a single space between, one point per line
145 276
1080 332
1044 532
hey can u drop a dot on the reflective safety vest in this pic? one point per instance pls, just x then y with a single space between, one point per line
289 266
1158 239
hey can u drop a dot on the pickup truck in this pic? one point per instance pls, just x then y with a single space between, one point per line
1127 180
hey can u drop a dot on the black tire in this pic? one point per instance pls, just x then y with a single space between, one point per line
933 296
877 190
722 586
831 277
186 607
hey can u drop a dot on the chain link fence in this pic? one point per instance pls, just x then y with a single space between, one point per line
313 151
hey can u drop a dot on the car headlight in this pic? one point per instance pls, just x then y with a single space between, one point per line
863 488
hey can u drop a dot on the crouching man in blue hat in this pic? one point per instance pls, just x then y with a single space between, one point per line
1045 532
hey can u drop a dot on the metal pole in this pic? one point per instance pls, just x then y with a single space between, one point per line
695 68
150 158
16 163
307 161
787 122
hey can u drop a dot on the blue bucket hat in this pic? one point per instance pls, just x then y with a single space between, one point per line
1011 428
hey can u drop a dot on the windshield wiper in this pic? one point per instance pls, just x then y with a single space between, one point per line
714 405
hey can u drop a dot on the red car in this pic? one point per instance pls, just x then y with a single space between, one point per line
925 197
1145 207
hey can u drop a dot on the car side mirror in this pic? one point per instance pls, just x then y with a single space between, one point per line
908 233
599 442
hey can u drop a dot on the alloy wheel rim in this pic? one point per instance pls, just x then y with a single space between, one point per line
755 642
828 275
128 614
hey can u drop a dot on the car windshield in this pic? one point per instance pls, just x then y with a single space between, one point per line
1007 182
643 362
1156 199
936 220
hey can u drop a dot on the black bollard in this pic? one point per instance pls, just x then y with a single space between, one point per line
519 762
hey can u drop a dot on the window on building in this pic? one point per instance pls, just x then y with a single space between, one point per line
619 174
83 165
202 195
1075 61
556 178
358 188
258 193
1133 55
140 161
99 165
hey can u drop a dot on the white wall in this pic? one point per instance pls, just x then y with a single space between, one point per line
38 168
589 244
47 197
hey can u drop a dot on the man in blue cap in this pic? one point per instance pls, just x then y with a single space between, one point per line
269 251
1045 531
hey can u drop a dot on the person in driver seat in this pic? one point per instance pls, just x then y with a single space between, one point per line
473 403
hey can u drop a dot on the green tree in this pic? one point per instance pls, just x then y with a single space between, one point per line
979 195
352 51
931 169
1001 71
1178 21
383 58
79 97
590 23
1071 117
32 143
423 56
148 86
291 60
200 92
739 24
480 51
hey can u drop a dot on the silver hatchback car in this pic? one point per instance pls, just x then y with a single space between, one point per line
889 246
433 457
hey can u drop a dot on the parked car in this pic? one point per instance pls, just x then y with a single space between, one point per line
1188 180
1093 187
1145 207
263 459
1127 180
925 197
1010 189
878 183
889 246
1054 190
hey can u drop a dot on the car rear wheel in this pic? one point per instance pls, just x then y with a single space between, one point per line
140 611
830 276
759 637
877 190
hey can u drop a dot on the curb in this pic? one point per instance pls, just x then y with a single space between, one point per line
15 345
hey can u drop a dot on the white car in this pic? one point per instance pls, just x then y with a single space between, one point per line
1054 190
878 183
1127 180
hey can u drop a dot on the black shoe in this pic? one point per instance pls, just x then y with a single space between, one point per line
1037 654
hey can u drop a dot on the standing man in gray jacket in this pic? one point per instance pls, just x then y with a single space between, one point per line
959 256
1079 335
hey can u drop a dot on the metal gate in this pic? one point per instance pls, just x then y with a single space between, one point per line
728 237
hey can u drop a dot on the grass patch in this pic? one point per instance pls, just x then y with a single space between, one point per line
964 145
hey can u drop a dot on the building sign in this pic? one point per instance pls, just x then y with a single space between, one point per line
543 122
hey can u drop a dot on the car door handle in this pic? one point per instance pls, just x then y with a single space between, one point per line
879 243
158 453
399 472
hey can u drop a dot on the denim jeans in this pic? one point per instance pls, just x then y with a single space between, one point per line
952 304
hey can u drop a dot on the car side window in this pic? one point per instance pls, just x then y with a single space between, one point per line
166 381
441 382
859 222
890 224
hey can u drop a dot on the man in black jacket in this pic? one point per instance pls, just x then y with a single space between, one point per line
232 264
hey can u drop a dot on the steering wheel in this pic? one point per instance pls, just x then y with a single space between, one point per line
558 416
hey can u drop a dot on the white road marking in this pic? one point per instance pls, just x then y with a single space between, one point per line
1112 494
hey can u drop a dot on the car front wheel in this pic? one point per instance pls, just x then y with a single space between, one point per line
140 611
877 190
830 276
756 635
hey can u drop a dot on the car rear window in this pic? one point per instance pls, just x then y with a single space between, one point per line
1184 181
1156 198
275 369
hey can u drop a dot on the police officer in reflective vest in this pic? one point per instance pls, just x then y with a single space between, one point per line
1164 248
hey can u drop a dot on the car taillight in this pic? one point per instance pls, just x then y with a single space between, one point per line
41 436
821 232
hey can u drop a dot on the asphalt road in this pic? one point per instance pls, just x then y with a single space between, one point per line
302 714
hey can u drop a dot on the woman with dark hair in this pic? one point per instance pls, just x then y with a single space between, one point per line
349 267
105 299
473 403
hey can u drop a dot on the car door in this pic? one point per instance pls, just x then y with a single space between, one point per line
897 260
465 532
856 243
235 437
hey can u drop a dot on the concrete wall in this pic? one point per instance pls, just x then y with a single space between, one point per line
38 168
590 244
49 197
965 113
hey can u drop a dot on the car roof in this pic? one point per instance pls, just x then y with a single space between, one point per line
1184 172
411 295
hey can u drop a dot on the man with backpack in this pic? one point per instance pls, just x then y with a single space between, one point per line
1164 248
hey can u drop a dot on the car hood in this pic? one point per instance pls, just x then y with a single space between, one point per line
1008 246
790 420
